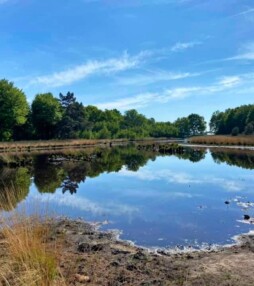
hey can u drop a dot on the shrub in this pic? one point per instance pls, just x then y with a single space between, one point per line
235 131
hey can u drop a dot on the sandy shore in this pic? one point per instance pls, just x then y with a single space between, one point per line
92 257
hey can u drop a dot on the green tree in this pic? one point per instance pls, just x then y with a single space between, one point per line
134 119
183 127
46 114
73 122
197 124
67 99
217 122
13 109
93 114
224 122
250 116
104 133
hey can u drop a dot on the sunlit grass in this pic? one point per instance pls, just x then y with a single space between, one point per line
26 258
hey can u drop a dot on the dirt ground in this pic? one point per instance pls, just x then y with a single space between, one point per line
90 257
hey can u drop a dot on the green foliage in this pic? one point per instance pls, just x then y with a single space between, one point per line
183 126
67 99
13 109
225 122
104 133
73 122
133 119
65 118
46 114
192 125
14 186
197 124
249 129
235 131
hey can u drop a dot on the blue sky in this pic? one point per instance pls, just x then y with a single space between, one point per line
166 58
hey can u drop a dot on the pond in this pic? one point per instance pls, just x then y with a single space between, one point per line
197 197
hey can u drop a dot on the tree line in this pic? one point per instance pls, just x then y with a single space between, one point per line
239 120
49 117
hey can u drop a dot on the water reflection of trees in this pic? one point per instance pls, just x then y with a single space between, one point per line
68 174
74 167
243 159
14 186
193 155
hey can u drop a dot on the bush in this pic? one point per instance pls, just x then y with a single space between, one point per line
235 131
249 129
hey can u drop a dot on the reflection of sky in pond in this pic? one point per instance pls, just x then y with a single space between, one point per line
167 202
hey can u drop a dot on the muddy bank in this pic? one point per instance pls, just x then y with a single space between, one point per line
91 257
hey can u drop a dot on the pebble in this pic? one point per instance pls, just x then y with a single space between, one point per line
82 278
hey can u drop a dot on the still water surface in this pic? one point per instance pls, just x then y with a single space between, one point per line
153 200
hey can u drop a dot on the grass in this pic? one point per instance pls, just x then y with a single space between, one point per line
52 144
240 140
21 146
25 256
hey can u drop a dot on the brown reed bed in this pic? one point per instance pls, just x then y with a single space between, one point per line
240 140
20 146
30 146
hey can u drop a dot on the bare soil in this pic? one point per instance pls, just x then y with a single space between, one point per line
92 257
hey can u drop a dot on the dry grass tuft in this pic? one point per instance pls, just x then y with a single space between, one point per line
25 257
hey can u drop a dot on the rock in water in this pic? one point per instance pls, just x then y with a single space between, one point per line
246 217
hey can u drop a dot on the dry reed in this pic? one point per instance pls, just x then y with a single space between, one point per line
26 259
223 140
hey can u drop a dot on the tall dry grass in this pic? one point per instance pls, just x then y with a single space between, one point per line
223 140
54 144
26 259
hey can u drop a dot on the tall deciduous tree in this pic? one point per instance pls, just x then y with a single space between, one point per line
13 109
197 124
183 126
46 114
134 119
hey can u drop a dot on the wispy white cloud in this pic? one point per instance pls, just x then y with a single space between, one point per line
136 101
69 76
183 178
230 81
178 47
115 65
153 77
177 93
84 204
142 100
166 174
245 12
228 185
246 54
